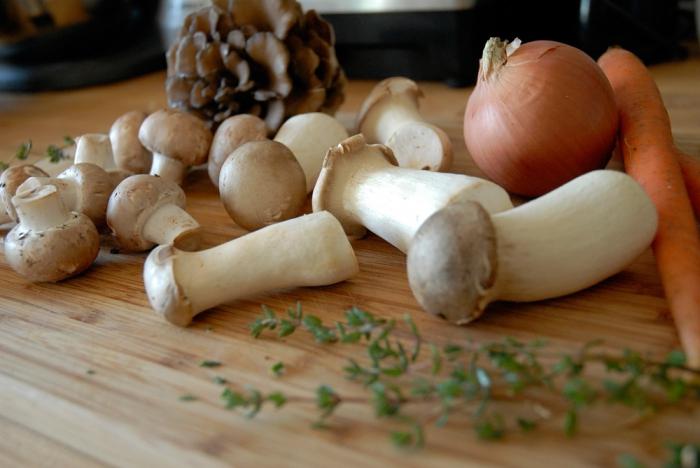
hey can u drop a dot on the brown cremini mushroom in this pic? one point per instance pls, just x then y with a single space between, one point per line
83 187
177 139
146 210
262 183
129 153
232 133
10 180
50 243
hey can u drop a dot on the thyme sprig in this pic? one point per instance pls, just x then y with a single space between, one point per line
473 378
54 153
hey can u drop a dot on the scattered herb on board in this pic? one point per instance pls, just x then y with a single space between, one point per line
211 364
402 371
220 380
277 369
24 150
187 397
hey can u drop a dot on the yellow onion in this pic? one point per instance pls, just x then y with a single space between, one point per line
541 114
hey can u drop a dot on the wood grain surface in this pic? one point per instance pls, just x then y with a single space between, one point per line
90 376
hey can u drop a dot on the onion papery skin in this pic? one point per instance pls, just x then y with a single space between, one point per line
541 119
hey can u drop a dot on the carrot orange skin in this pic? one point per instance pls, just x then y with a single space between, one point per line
691 174
650 156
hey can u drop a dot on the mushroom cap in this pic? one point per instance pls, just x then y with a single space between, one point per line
340 165
11 179
132 203
177 135
387 88
164 294
55 253
262 183
96 186
129 153
232 133
452 262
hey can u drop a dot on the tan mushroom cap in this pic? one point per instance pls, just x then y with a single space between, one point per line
262 183
129 153
132 203
55 253
11 179
177 135
386 88
232 133
452 262
340 164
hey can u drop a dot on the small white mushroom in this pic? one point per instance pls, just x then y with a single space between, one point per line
129 153
146 210
83 187
309 136
362 186
390 116
232 133
50 243
96 148
262 183
178 141
589 229
10 180
310 250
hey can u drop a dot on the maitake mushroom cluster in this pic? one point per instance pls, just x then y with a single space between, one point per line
264 57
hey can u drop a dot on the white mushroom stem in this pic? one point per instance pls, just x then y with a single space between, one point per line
362 188
168 168
41 208
309 136
170 224
68 189
95 148
390 116
585 231
573 237
310 250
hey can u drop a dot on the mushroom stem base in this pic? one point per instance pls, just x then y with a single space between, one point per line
170 224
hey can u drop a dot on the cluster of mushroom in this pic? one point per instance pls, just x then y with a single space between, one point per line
466 244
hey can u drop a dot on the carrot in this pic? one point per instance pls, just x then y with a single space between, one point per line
691 173
650 157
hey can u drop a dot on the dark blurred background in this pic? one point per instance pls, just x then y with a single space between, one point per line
55 44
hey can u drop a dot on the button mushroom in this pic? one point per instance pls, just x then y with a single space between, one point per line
308 251
362 186
389 115
232 133
83 187
10 180
95 148
50 243
262 183
146 210
462 258
177 139
129 153
309 136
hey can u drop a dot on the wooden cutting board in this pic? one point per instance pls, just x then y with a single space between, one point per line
90 376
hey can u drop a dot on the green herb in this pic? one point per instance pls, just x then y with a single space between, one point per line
629 461
187 397
68 140
3 166
277 369
468 380
90 372
54 153
208 363
24 150
220 380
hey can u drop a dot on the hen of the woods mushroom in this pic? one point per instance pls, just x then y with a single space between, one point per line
267 58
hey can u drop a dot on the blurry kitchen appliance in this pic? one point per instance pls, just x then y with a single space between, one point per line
422 39
56 44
